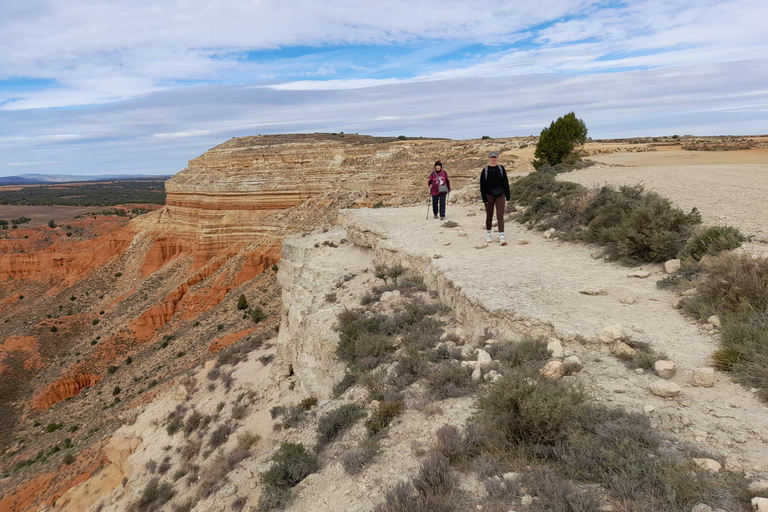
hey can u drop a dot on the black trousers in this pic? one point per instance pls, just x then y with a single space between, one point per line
439 200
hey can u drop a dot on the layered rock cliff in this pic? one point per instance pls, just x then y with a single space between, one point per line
114 310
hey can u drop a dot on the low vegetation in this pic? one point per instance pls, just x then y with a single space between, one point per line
87 194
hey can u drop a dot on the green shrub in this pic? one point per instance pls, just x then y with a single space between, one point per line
516 354
116 391
638 226
345 383
383 416
558 141
308 403
449 379
291 464
54 328
336 422
257 315
711 241
242 302
53 427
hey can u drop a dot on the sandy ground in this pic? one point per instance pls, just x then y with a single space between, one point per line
676 156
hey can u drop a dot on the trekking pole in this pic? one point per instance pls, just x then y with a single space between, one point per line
428 205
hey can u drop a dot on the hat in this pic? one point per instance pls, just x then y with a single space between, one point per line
493 154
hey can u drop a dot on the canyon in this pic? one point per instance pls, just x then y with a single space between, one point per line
106 331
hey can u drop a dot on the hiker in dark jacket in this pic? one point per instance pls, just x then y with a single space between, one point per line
494 189
441 185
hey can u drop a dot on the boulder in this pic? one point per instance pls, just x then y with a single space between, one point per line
664 369
572 364
484 358
708 465
671 266
553 370
715 320
664 388
612 333
622 350
555 348
760 504
759 486
704 377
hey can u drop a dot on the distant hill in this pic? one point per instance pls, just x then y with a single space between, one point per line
36 179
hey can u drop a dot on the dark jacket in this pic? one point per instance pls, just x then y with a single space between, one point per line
435 178
493 178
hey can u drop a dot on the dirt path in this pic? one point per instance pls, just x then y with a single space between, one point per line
537 286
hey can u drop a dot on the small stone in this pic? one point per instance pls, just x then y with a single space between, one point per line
704 377
701 507
553 370
461 232
478 507
471 214
648 409
497 378
664 369
715 320
593 291
484 358
640 274
678 303
572 364
484 246
477 374
690 292
708 465
437 256
391 296
527 500
612 333
664 388
639 371
549 233
628 300
510 477
760 504
759 486
671 266
555 348
523 242
596 255
622 350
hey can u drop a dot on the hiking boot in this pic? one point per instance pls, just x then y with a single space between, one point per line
501 239
435 216
488 238
442 218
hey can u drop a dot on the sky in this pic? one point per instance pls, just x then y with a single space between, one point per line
95 87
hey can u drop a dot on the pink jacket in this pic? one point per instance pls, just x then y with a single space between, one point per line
437 178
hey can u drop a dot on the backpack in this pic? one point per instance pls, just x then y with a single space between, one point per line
442 188
485 170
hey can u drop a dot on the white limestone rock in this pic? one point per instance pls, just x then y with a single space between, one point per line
760 504
664 388
640 274
715 320
703 377
708 465
572 364
664 369
671 266
555 348
612 333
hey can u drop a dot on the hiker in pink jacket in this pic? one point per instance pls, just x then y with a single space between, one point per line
441 185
